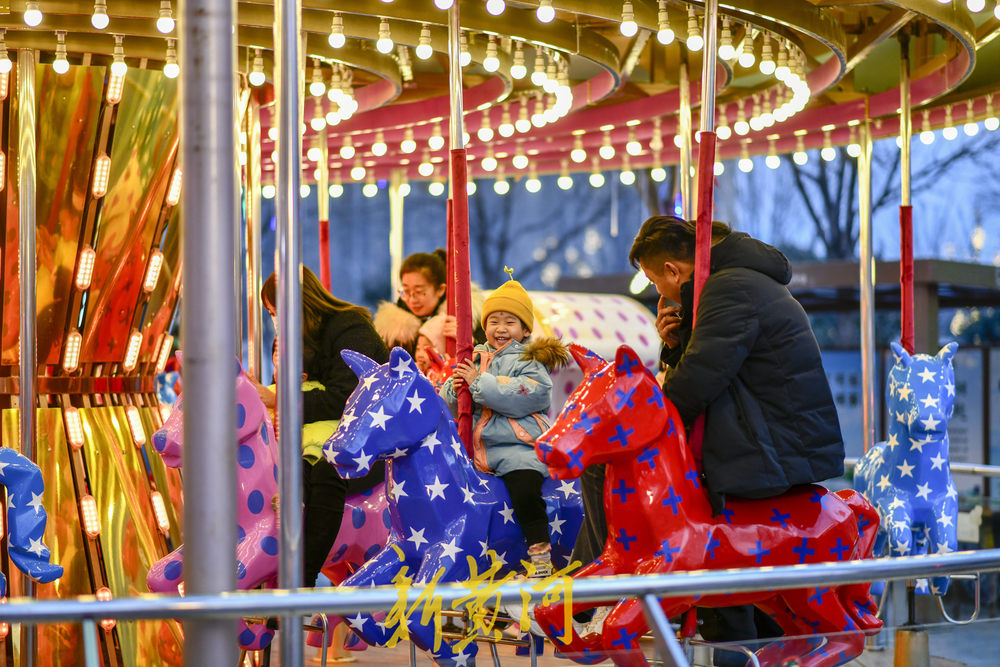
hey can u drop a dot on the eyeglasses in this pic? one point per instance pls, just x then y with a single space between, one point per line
418 293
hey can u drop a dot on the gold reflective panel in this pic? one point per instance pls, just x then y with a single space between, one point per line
167 480
163 300
71 110
145 143
11 292
128 531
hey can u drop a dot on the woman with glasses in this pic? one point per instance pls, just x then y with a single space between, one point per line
421 296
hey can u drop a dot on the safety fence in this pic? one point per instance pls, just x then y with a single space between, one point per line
648 589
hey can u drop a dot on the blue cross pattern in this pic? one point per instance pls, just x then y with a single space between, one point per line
623 490
673 501
781 518
576 459
862 524
625 398
586 423
817 597
657 398
850 624
627 365
840 549
712 545
625 539
759 551
818 497
648 455
864 607
692 475
803 550
544 448
625 638
621 435
666 551
727 514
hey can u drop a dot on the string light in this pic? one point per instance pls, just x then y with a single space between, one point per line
854 148
99 19
578 154
532 184
152 271
384 43
74 425
522 124
664 34
132 350
424 49
741 126
32 14
71 353
171 69
495 7
545 13
174 190
464 57
506 129
745 164
949 132
337 39
800 157
767 64
268 191
975 6
436 188
118 65
489 162
370 188
336 188
565 182
991 122
626 175
317 86
491 62
971 127
408 145
444 4
85 267
358 170
828 152
426 167
165 22
102 171
747 58
518 70
436 140
500 185
633 147
5 62
694 39
347 150
470 187
60 65
404 187
772 160
596 178
726 50
607 151
628 25
520 160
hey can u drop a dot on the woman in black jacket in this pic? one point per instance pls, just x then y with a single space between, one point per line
329 325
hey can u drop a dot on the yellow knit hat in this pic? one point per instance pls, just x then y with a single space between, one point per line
510 297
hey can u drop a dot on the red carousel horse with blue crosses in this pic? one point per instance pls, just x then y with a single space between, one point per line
25 519
443 511
907 478
363 531
660 521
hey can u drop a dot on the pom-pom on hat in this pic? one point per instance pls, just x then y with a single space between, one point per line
510 297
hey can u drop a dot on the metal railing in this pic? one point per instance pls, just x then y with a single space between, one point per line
87 610
956 468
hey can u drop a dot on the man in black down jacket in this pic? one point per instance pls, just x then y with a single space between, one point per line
751 365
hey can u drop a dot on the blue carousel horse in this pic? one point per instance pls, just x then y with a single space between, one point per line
442 510
25 519
907 478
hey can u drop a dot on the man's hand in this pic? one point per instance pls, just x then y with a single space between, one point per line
466 372
668 322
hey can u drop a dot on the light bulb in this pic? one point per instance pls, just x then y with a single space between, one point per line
436 140
627 177
470 187
564 182
60 64
828 153
316 86
726 50
337 38
522 124
694 39
800 157
718 169
464 57
520 160
545 13
304 190
578 154
171 70
485 132
996 12
501 186
32 14
745 165
488 163
358 171
404 189
165 23
425 168
533 185
347 150
949 133
495 7
633 147
975 6
628 25
741 127
506 129
370 189
444 4
491 62
384 43
747 58
436 188
664 34
268 191
379 148
408 145
336 190
854 149
992 123
99 19
772 161
424 49
767 64
118 65
314 154
658 174
596 179
518 70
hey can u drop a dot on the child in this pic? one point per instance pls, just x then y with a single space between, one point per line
511 388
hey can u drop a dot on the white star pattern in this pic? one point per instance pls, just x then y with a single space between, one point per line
358 622
379 418
892 442
486 549
929 402
456 445
36 547
469 497
905 470
883 483
930 422
364 461
950 388
507 513
347 418
417 537
924 491
500 558
36 502
943 548
952 493
397 490
919 444
921 586
937 462
900 548
451 549
896 502
461 659
436 489
927 375
901 417
3 466
567 488
368 382
945 519
397 453
415 402
555 526
877 458
904 393
402 367
430 442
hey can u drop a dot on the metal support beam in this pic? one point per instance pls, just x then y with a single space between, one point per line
395 228
208 313
867 284
684 128
252 257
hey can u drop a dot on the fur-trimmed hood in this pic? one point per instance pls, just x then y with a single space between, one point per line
398 326
550 352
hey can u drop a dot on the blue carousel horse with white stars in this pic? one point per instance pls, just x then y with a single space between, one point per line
25 519
907 478
442 510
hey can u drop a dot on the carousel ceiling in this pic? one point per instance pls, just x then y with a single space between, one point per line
569 85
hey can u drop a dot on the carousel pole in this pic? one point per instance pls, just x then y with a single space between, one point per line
867 283
323 205
252 231
208 313
395 227
459 242
27 268
684 128
905 209
238 207
288 107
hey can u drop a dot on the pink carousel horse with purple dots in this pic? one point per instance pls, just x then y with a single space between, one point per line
363 532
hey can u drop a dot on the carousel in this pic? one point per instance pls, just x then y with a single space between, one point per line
138 143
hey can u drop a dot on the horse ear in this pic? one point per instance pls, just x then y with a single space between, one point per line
585 358
359 363
902 356
400 361
626 360
948 351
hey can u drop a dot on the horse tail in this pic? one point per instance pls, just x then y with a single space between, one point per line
26 518
857 598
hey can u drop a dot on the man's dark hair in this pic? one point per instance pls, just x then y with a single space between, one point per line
671 238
